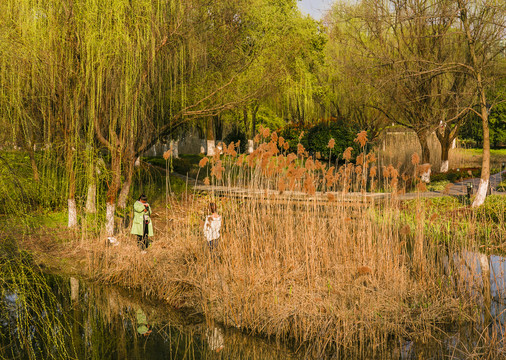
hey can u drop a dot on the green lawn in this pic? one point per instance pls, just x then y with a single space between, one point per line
493 152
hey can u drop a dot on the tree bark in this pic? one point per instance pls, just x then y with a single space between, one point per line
125 189
477 73
245 120
481 194
446 137
422 138
211 139
91 198
109 218
91 195
72 210
254 120
113 191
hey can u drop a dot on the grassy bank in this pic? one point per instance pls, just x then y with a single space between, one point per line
330 276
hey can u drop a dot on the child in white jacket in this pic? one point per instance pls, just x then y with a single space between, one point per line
212 227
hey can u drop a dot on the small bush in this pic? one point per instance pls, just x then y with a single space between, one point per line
316 138
437 185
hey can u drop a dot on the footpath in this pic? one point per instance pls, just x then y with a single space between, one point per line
460 188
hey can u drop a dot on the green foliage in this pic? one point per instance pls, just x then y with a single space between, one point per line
34 325
318 137
292 135
473 130
493 209
437 185
20 193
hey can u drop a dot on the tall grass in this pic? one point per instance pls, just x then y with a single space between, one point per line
335 272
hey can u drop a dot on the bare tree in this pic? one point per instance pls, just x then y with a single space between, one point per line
405 51
484 26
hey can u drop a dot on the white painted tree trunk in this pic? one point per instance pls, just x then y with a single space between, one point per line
211 147
203 146
109 219
425 176
251 146
91 199
174 145
74 289
445 165
481 194
72 213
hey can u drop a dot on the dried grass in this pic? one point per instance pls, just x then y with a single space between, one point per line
331 275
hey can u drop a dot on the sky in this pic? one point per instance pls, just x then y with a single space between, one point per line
315 8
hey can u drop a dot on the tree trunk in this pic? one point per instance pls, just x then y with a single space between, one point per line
72 210
445 141
112 192
254 120
446 135
109 218
125 189
481 194
72 221
422 138
245 120
211 142
477 73
445 163
91 198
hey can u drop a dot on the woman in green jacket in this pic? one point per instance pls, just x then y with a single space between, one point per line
142 226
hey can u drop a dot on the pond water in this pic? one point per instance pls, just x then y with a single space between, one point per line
85 321
46 316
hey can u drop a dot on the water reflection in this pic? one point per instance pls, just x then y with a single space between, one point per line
110 323
67 318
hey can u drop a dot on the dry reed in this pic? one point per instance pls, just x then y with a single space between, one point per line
332 274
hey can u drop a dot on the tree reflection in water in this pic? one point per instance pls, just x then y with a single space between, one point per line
109 323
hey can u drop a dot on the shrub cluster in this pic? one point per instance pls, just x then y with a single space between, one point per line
315 139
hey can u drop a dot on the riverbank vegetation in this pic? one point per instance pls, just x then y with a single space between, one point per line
333 274
319 249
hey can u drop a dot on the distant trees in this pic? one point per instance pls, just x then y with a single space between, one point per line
425 63
405 53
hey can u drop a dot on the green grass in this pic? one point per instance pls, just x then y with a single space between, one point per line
437 185
493 152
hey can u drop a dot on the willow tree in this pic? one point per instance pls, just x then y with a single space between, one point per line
285 50
232 55
42 80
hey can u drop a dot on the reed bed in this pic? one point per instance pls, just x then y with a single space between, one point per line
330 275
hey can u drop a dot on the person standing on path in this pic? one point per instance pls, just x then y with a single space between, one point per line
142 226
212 227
